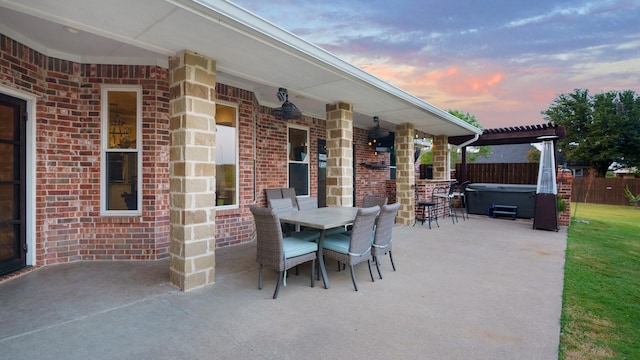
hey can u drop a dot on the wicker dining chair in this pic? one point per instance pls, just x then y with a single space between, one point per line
281 205
278 252
289 193
284 205
306 202
383 235
356 248
369 201
311 202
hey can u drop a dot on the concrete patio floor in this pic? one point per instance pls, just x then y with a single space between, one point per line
481 289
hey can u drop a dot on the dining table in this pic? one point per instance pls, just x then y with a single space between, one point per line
323 218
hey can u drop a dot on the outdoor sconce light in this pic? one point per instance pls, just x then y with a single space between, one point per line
288 110
377 132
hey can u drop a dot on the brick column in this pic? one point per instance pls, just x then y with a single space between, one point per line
340 154
440 157
192 170
405 174
565 182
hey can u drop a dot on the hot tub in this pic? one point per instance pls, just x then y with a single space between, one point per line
482 196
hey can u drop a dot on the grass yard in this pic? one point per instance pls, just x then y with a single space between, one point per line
601 297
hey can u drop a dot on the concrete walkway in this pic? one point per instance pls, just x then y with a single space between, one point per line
481 289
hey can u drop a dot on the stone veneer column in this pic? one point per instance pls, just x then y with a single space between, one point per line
339 154
192 80
440 157
405 174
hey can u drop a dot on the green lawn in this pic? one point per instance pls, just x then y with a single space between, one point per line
601 298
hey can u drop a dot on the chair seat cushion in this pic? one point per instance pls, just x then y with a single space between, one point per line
295 247
347 233
336 231
338 243
305 235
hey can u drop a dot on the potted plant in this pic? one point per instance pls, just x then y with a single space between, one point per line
426 165
561 204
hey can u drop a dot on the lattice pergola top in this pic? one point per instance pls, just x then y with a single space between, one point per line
513 135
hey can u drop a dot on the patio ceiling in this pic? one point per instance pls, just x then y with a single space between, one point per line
250 52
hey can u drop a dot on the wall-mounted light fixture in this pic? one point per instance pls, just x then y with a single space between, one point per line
288 110
377 132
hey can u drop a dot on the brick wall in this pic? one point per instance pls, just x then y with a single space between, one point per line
565 183
68 223
123 238
235 226
67 122
368 181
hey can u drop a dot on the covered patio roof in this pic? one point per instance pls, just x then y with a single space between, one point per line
251 53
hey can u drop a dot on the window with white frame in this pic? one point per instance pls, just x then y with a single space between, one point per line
226 155
121 112
298 158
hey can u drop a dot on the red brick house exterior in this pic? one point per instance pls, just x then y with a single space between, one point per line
116 132
68 223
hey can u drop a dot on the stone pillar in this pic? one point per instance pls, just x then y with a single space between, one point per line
340 154
441 157
192 81
405 174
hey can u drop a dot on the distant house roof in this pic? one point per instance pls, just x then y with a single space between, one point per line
510 153
625 171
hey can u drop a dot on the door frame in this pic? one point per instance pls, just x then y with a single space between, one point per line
30 184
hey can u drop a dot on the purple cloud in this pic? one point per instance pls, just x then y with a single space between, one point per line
503 61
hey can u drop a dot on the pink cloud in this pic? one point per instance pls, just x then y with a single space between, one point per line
498 98
452 81
458 83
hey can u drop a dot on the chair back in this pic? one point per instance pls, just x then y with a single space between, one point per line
462 188
369 201
438 191
452 187
289 193
306 202
362 230
281 205
268 237
272 194
384 225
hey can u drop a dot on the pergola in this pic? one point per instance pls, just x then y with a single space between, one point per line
508 135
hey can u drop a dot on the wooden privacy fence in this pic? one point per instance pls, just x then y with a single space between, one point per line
516 173
608 191
584 189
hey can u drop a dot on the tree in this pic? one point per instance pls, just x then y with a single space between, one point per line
533 156
602 130
472 155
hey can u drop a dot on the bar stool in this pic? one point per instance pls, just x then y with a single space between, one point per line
443 195
426 210
461 195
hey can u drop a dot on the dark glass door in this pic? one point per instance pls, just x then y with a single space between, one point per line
12 184
322 173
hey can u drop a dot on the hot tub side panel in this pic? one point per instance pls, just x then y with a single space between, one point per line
480 197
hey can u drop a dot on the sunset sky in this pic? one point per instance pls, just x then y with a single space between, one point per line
503 61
